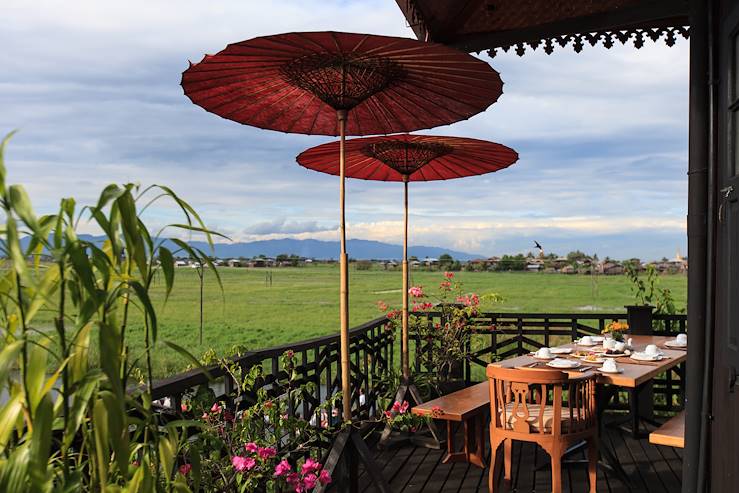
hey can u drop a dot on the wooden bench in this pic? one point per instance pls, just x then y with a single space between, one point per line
672 433
470 407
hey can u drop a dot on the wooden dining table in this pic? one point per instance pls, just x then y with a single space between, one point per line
635 376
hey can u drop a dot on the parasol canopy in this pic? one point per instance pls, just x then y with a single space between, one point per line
295 82
409 158
417 157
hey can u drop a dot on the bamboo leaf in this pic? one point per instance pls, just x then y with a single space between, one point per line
82 395
166 260
21 204
3 173
143 295
8 357
188 355
35 373
9 414
102 451
41 445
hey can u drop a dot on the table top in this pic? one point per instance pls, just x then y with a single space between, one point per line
459 405
634 373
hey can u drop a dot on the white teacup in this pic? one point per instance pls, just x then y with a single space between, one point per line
610 365
619 347
651 350
544 353
609 343
682 339
586 341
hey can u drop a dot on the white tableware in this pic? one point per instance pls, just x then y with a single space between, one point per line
560 350
598 359
619 347
652 349
639 356
586 341
597 339
674 343
609 344
617 370
609 366
682 339
563 363
630 343
543 353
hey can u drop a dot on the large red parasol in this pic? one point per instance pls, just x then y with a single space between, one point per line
410 158
309 82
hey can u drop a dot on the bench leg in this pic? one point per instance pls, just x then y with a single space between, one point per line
474 436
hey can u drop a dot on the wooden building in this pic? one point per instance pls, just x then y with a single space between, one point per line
711 458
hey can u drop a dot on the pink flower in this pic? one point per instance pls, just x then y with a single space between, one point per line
242 464
404 407
309 481
216 408
282 468
185 469
388 414
396 406
416 292
449 275
446 286
183 407
325 477
266 452
293 479
251 447
393 314
382 306
290 353
310 466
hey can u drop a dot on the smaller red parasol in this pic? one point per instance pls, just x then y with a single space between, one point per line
407 158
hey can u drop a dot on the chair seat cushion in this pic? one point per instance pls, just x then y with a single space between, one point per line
533 419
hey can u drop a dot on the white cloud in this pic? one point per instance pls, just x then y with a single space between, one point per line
94 87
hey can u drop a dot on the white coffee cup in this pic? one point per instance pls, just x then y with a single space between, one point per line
619 347
682 339
609 343
586 341
544 353
651 350
610 365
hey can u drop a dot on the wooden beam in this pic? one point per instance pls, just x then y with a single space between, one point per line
646 13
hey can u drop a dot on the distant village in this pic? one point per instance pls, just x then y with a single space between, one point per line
573 263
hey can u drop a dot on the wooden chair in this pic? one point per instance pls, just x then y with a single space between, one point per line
546 407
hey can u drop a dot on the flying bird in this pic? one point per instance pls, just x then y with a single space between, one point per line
536 244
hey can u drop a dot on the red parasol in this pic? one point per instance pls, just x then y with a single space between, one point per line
410 158
307 82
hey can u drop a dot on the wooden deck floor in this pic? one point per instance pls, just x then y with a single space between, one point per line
415 469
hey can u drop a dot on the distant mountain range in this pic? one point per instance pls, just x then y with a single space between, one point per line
318 249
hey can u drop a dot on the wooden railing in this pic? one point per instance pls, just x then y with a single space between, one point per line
374 355
317 361
499 336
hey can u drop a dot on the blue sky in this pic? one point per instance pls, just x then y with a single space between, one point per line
94 89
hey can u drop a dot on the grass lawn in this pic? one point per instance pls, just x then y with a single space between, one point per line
304 302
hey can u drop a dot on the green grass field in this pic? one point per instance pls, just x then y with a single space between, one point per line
303 303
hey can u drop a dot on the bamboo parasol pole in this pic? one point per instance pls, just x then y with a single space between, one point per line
405 356
346 391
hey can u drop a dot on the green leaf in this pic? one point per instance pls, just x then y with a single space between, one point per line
100 432
143 296
3 173
21 204
41 445
35 374
9 415
166 260
8 357
81 400
192 359
167 453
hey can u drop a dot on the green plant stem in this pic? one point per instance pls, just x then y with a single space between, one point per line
65 374
24 331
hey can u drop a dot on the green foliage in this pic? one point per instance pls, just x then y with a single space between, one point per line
67 424
647 290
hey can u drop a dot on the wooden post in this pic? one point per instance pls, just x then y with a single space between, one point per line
404 345
346 390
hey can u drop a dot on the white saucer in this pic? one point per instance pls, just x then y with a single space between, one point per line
637 356
542 358
560 350
618 370
674 343
568 366
587 345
